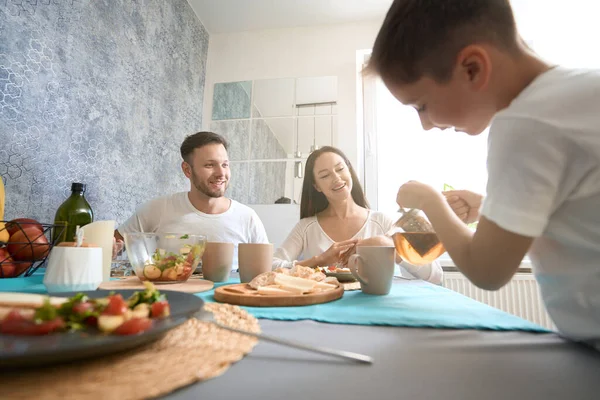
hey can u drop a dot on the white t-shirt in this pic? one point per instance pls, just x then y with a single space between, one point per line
544 182
175 213
308 239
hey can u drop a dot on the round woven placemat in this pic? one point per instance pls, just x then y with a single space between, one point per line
192 352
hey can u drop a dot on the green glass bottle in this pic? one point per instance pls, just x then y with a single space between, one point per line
75 211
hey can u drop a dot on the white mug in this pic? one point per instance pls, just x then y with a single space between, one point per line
373 266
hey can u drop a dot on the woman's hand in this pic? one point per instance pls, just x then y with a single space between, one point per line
465 204
380 240
334 254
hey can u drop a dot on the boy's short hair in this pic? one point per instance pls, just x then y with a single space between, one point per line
423 37
200 139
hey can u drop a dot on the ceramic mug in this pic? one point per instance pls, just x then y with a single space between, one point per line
217 261
373 266
254 259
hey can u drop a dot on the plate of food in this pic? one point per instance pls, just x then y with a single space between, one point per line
342 274
39 330
283 287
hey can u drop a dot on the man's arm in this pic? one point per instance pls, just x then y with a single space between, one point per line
489 257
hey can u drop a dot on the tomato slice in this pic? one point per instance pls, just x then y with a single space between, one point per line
134 326
332 268
160 309
14 315
24 327
116 305
81 308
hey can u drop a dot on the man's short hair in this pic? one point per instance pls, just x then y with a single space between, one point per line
200 139
423 37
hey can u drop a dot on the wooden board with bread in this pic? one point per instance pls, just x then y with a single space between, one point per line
283 287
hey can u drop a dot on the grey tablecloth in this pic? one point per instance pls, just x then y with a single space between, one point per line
409 364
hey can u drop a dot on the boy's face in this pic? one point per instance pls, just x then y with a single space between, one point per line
458 103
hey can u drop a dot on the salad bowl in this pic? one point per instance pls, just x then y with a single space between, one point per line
164 257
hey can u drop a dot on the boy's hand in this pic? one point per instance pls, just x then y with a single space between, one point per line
465 204
415 194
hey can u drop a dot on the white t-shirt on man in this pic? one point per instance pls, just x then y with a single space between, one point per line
544 182
175 213
308 240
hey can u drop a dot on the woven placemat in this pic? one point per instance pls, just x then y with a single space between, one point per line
194 351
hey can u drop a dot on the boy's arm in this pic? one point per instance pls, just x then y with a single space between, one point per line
489 257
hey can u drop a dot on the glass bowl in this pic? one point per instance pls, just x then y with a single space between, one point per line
164 257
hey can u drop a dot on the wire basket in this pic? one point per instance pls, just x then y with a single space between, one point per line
30 251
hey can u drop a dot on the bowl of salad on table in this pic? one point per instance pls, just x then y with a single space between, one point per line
164 257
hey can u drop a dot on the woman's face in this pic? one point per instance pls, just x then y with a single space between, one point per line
332 177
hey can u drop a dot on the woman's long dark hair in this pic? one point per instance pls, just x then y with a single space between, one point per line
312 201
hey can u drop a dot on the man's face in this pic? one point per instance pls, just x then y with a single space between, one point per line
453 104
208 170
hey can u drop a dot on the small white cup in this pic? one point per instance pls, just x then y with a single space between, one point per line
72 269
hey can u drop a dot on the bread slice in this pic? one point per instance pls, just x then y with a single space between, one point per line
27 300
264 279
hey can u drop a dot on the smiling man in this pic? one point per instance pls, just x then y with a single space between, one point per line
204 209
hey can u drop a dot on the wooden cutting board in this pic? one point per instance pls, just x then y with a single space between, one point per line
243 295
132 282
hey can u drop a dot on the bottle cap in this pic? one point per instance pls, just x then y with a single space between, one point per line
78 187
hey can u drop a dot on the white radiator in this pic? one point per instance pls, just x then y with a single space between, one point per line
520 297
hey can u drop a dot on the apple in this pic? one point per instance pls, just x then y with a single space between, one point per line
28 244
6 264
16 225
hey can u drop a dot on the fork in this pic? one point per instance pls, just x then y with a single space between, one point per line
207 316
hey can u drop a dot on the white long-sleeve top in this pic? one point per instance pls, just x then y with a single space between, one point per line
308 239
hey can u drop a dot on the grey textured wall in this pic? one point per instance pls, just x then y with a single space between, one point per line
101 92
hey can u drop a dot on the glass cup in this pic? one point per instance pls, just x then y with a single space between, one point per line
120 265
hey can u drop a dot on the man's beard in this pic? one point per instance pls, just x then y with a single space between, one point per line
203 188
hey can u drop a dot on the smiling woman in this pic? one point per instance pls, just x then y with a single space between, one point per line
335 219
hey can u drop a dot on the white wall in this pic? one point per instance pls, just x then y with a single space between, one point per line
296 52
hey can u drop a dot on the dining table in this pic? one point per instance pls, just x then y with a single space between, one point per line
409 362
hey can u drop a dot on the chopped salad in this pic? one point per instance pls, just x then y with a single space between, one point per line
166 265
111 314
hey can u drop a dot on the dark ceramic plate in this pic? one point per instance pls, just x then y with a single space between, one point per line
22 351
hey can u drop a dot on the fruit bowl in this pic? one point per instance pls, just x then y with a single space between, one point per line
164 257
27 248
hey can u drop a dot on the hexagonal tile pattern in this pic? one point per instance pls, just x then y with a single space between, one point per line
96 92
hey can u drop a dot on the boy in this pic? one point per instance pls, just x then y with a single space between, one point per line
462 64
